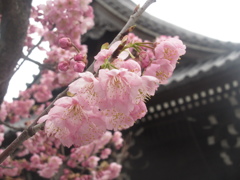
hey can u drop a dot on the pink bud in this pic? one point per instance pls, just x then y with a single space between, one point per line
105 153
63 65
79 66
65 43
79 57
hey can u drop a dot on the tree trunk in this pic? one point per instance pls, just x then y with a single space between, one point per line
14 25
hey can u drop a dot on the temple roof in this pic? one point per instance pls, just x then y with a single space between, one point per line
112 15
203 53
186 131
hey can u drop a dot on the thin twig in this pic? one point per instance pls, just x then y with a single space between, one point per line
7 167
133 18
42 66
11 127
35 46
18 66
29 52
31 60
34 127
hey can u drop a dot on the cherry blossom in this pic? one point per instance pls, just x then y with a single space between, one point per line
51 167
161 69
72 122
170 49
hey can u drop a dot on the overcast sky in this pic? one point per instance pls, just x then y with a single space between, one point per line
218 19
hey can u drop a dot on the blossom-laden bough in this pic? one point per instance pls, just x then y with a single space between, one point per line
108 96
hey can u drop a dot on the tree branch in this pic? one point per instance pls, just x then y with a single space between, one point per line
33 128
33 61
26 58
41 66
11 127
133 18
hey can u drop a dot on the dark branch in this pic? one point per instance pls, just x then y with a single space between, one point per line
29 52
11 127
41 66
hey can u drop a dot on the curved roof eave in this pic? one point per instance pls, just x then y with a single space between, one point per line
116 13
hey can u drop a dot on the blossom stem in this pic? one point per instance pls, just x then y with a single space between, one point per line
75 47
133 18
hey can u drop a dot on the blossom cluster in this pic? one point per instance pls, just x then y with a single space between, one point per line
16 110
71 18
43 154
127 73
114 98
46 159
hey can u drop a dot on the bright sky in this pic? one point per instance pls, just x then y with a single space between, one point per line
218 19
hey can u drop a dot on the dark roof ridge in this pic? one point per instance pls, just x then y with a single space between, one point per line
154 26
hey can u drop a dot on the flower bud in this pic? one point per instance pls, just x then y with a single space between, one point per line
79 66
63 65
79 57
65 43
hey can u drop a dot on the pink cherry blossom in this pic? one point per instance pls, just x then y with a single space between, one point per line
170 49
70 17
36 161
17 109
105 153
51 167
119 87
117 139
110 173
162 69
41 93
115 170
79 57
72 122
79 66
85 87
48 78
13 171
139 111
104 54
65 78
130 65
132 38
104 140
91 162
63 65
146 57
116 120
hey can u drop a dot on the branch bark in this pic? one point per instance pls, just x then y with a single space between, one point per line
14 24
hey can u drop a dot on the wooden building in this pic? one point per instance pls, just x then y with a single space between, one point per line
192 129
